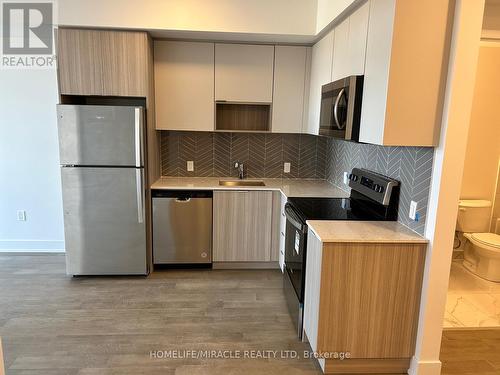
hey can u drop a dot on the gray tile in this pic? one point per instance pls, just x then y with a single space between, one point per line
274 155
256 164
204 155
222 154
291 150
307 156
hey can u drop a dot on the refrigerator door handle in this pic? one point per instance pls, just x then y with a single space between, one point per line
140 201
138 136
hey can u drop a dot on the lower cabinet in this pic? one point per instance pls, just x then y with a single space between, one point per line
242 223
282 230
362 299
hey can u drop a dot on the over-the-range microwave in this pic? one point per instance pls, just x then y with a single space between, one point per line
341 108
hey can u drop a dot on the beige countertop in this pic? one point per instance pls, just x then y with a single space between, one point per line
289 187
363 231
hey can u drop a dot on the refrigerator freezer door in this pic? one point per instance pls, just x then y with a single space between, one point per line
95 135
104 224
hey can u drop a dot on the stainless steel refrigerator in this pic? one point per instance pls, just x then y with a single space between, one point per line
101 152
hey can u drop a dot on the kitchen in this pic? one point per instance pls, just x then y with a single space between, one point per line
251 181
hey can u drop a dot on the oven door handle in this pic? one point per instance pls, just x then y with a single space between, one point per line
291 217
336 109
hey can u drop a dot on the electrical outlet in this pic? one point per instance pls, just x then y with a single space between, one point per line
286 167
190 166
21 215
413 211
346 178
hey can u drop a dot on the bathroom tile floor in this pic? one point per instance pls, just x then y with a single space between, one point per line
471 302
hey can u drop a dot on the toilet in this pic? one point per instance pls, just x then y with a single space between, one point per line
482 249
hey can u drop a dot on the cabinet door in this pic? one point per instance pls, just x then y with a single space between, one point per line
340 62
242 223
184 85
124 63
289 86
358 30
244 73
321 73
79 62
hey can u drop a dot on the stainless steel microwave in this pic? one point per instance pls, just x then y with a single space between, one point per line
341 108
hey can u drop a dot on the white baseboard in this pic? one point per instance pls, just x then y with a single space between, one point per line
31 246
424 367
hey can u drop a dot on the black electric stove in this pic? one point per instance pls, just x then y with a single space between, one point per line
373 197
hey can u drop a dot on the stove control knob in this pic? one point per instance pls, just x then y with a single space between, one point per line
353 177
378 188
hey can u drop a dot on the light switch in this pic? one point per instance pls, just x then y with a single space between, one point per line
413 211
346 178
286 167
21 215
190 166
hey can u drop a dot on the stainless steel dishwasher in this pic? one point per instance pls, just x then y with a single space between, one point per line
182 227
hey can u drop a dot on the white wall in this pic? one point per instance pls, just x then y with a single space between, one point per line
328 10
296 17
29 162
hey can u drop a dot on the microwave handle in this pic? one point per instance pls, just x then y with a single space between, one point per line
336 109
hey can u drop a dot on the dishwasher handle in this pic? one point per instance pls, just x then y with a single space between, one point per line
183 200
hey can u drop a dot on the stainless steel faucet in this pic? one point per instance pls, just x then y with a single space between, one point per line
241 169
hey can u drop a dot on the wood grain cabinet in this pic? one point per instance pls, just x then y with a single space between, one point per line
79 54
291 68
244 73
363 299
242 222
406 59
103 63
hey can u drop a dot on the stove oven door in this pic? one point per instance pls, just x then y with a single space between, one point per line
295 246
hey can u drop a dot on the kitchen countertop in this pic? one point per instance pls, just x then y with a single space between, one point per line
289 187
363 231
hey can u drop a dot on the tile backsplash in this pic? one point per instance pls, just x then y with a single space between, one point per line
263 154
412 166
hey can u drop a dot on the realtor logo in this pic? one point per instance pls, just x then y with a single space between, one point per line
27 28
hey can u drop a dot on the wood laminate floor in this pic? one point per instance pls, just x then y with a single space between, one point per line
471 352
54 324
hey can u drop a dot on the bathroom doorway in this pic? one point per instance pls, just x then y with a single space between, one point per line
473 299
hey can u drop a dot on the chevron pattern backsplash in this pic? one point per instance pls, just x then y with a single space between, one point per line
263 154
310 157
412 166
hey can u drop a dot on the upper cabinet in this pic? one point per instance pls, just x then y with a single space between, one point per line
78 61
405 55
340 61
97 62
321 73
244 73
358 32
124 63
291 66
349 44
184 85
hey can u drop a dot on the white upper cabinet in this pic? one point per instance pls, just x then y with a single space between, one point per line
290 79
340 62
244 73
350 44
402 89
184 85
358 32
321 73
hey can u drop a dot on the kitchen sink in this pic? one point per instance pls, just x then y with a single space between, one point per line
241 183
